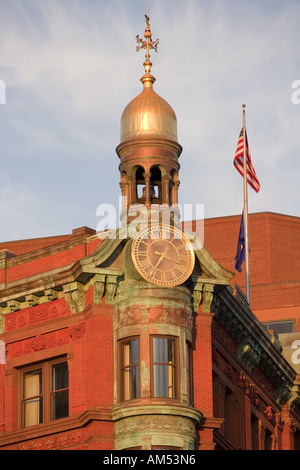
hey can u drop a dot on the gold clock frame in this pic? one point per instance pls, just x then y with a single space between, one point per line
163 255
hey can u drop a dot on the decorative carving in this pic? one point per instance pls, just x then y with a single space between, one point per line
279 422
170 316
51 294
111 288
75 297
36 314
283 393
38 343
207 297
197 296
13 305
294 399
58 441
270 415
32 300
155 423
99 287
77 331
249 353
248 388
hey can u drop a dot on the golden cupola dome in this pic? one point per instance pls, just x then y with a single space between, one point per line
148 115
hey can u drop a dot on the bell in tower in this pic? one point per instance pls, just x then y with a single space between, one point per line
149 148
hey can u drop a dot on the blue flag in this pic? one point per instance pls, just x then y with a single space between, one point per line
240 252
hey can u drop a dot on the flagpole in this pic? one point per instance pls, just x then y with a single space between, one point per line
247 261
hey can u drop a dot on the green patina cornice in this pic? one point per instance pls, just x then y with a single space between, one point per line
256 347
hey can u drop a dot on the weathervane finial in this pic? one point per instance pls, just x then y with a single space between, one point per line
147 44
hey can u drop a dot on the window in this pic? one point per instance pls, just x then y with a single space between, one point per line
32 398
280 327
254 432
189 374
60 391
45 393
130 376
163 366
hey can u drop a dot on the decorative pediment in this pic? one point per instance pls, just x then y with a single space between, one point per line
206 267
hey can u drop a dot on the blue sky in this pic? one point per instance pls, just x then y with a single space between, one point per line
70 67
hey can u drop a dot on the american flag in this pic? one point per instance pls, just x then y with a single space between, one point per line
239 162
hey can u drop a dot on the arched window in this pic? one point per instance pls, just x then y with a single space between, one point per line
140 185
155 185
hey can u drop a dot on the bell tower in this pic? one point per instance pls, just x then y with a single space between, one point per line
153 305
149 148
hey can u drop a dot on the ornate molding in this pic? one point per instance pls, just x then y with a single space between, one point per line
156 423
197 296
294 399
254 346
249 352
75 296
38 343
34 315
127 315
203 293
207 297
111 288
66 439
77 331
248 388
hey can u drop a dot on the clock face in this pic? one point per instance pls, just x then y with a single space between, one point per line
163 255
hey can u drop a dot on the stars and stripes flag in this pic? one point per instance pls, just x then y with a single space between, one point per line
239 162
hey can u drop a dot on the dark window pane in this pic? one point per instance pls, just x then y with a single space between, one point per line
282 327
60 404
60 387
60 376
134 351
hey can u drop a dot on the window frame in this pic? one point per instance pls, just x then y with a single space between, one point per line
122 366
175 365
269 325
189 372
46 391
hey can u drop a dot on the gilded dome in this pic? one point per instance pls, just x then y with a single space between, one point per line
148 116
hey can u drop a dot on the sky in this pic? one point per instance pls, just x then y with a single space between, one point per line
68 68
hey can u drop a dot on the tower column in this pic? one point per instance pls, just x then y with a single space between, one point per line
147 177
166 180
175 192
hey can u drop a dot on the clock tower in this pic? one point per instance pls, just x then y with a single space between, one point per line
166 279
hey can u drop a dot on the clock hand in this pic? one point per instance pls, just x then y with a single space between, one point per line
167 257
162 257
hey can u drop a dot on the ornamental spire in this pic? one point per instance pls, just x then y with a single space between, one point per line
147 44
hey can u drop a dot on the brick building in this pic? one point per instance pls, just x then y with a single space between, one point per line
121 342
